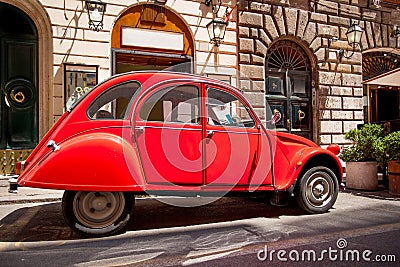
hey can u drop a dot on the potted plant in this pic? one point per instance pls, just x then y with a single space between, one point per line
392 143
363 156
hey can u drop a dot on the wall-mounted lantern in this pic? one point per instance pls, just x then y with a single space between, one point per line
216 30
353 34
96 10
217 27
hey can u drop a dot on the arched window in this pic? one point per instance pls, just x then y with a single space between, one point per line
287 55
383 94
151 37
377 63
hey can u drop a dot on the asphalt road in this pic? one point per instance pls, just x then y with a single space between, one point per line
363 228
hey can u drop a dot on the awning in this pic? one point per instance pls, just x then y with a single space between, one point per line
391 78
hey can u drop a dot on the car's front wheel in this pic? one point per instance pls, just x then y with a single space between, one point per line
97 213
318 190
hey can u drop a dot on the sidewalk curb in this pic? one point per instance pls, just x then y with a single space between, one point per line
27 200
24 195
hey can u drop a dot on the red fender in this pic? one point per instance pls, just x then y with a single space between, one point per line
299 162
90 162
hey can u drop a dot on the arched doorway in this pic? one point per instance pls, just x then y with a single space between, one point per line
151 37
19 79
383 95
288 87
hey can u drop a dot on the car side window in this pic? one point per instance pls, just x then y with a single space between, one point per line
113 103
225 109
175 104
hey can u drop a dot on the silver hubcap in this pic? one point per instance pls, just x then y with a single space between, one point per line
319 189
98 209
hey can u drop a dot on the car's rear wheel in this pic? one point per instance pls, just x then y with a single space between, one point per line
97 213
318 190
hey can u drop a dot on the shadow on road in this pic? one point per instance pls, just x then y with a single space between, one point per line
152 214
46 222
380 193
221 229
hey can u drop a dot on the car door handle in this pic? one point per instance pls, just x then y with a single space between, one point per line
53 146
139 129
210 134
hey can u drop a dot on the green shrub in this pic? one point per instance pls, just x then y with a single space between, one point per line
392 143
368 145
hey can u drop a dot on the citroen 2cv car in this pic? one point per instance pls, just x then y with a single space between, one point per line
164 133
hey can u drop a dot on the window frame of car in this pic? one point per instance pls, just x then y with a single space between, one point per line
168 87
239 98
135 94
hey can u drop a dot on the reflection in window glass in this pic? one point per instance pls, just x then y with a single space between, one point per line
225 109
113 103
299 86
78 80
178 104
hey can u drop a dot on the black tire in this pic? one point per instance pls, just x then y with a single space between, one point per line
318 190
97 214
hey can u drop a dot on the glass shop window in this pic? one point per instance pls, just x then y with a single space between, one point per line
226 110
113 103
78 80
177 104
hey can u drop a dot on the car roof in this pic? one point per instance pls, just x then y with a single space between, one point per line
155 78
160 76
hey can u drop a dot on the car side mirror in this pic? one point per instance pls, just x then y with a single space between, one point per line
276 117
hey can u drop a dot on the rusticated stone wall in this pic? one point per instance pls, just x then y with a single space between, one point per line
320 28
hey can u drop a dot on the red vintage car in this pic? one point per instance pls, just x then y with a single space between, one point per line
164 133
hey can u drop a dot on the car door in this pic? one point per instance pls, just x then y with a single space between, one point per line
169 135
234 142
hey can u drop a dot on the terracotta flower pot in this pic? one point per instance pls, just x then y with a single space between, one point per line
362 175
394 177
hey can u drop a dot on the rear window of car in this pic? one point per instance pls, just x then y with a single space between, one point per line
113 103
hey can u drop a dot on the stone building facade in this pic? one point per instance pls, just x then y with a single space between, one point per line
336 97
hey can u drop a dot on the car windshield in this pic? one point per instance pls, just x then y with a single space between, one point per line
78 94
